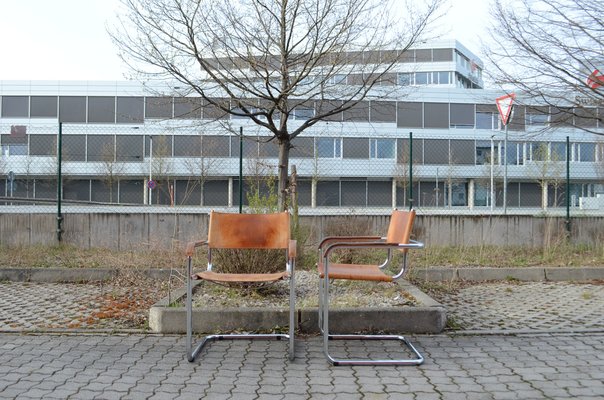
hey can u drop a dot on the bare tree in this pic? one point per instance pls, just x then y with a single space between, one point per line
548 169
547 49
110 169
263 59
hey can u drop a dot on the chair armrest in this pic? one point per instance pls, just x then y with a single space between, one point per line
341 239
368 245
293 249
190 248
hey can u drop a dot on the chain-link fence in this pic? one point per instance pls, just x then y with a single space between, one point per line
197 168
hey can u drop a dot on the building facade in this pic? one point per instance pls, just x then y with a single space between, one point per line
430 123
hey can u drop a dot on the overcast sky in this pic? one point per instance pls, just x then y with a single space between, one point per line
67 39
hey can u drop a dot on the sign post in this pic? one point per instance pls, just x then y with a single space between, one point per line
504 105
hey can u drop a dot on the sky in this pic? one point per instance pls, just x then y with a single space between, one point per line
68 40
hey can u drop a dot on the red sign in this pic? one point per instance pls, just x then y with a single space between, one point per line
595 79
504 105
151 184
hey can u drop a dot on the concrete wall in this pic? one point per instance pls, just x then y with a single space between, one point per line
126 231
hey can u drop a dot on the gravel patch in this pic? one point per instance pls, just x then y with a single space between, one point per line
343 294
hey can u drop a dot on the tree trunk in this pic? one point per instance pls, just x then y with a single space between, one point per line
283 173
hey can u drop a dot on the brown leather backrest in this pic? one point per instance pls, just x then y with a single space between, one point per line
401 224
248 231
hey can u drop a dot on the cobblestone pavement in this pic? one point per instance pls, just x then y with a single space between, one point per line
47 306
552 366
505 306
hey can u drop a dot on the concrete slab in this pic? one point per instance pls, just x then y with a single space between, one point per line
428 316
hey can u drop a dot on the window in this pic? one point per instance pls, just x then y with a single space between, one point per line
304 113
328 193
303 147
15 106
423 55
129 148
329 147
405 79
423 78
72 109
442 54
353 193
43 145
338 79
436 115
444 78
383 111
215 146
462 115
483 152
379 193
587 152
74 147
215 193
355 148
130 110
101 109
436 151
359 112
14 145
187 146
462 152
158 107
382 148
486 120
537 119
101 147
558 151
187 107
410 115
43 106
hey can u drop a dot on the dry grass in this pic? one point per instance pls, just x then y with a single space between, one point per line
145 257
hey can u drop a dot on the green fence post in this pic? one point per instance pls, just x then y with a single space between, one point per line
410 170
59 183
568 186
240 169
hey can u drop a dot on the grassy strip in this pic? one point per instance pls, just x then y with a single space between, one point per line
153 257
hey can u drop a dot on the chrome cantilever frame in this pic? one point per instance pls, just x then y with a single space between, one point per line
324 308
192 353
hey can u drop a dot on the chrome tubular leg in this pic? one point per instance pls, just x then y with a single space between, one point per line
189 339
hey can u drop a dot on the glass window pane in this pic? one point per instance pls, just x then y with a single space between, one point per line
15 106
42 145
129 148
410 115
158 107
379 193
436 151
187 107
132 191
587 152
421 78
436 115
355 148
484 120
43 106
74 147
442 54
444 78
558 151
104 190
216 193
72 109
187 192
462 152
76 190
462 115
130 110
405 79
101 109
304 113
328 193
303 147
353 193
304 190
187 146
215 146
382 148
383 111
325 147
100 147
423 55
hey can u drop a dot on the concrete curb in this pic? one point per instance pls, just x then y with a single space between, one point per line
429 317
528 274
71 275
77 275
